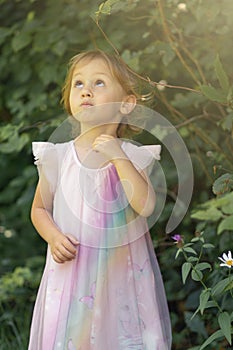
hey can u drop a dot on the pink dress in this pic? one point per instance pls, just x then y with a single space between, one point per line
111 297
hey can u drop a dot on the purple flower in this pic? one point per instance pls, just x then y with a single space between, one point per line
177 238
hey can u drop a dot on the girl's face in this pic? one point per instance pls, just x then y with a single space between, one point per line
93 85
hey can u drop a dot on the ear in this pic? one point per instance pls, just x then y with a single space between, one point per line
128 104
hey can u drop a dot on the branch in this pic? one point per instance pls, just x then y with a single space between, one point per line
105 36
170 39
147 79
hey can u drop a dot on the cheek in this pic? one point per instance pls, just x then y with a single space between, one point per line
73 102
71 105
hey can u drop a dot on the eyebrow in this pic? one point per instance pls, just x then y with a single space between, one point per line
97 73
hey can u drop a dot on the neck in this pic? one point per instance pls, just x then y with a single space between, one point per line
89 134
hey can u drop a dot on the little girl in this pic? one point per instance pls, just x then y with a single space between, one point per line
101 288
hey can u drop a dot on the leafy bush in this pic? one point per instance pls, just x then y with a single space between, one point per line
181 51
17 294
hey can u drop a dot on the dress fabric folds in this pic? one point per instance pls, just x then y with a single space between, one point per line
111 296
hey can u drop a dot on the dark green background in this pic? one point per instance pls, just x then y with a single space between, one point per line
190 49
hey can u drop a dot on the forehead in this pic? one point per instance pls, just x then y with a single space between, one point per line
92 65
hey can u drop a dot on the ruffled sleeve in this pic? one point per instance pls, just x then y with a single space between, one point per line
46 160
143 157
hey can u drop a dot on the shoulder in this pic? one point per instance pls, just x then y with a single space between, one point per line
48 157
143 155
43 150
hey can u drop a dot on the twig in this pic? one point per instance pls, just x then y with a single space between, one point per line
147 79
166 30
190 120
185 49
106 37
153 83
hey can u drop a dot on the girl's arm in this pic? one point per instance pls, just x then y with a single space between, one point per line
137 186
63 247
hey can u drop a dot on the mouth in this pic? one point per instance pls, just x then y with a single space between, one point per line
86 105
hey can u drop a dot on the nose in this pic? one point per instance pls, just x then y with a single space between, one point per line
87 91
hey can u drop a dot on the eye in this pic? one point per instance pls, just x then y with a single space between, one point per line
78 84
99 83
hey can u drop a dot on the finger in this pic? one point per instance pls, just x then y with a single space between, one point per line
97 144
65 243
103 138
63 252
73 240
106 136
63 255
69 246
67 254
57 259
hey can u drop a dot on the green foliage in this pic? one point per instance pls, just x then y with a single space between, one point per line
223 95
212 295
218 210
17 293
187 46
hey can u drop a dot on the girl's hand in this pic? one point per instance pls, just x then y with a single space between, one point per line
63 248
109 146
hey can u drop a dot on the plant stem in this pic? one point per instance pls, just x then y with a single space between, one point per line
201 281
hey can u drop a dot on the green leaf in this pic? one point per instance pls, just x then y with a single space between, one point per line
178 253
188 245
15 144
190 250
208 245
221 75
223 184
216 335
110 7
210 214
229 287
210 304
221 286
192 259
204 297
227 122
213 94
209 206
4 33
165 51
47 74
197 275
131 59
186 267
60 47
39 44
7 131
195 313
224 321
105 8
225 224
21 40
202 266
168 56
195 239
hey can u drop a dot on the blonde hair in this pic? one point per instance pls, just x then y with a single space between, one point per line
120 70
